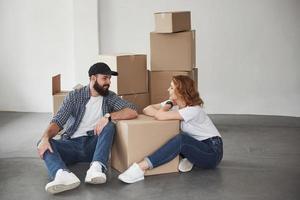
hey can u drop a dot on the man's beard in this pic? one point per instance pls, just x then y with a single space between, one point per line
100 89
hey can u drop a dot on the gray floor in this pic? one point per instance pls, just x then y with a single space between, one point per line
261 161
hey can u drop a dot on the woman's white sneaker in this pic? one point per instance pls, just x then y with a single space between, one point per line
133 174
63 181
94 175
185 165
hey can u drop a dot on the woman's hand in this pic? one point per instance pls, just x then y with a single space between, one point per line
151 110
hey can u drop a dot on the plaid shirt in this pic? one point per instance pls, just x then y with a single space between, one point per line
72 109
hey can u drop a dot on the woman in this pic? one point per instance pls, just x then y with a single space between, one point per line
199 142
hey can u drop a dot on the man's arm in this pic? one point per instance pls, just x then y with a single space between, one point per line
51 131
120 109
56 124
126 113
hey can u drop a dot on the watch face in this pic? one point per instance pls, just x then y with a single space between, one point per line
107 115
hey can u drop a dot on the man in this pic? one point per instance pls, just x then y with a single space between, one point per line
88 114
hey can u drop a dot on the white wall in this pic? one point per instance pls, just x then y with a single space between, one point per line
36 42
248 52
40 39
86 44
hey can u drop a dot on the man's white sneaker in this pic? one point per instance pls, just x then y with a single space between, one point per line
185 165
63 181
94 174
133 174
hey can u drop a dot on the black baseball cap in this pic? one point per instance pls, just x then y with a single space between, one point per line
101 68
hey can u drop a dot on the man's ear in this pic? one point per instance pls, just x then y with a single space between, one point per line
93 78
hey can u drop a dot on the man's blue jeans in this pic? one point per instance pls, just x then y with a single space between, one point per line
82 149
205 154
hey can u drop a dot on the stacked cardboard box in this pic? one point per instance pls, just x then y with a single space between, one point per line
57 95
172 47
135 139
132 82
139 137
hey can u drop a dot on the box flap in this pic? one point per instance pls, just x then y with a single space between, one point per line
55 84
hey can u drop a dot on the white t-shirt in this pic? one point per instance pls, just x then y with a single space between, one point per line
93 112
196 123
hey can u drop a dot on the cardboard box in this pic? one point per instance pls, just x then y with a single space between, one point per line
135 139
159 83
171 22
172 51
57 95
140 100
132 69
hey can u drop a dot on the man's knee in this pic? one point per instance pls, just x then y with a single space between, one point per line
111 127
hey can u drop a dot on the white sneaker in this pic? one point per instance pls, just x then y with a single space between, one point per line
185 165
94 174
133 174
63 181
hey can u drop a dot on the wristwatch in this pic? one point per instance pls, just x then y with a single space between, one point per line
170 103
107 115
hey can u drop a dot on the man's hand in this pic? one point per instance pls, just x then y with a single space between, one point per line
100 125
43 146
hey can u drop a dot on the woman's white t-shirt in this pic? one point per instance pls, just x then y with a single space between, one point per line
196 122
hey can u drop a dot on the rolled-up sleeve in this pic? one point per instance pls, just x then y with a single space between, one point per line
117 103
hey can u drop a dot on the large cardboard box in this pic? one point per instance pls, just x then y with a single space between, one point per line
140 100
159 83
132 69
57 95
137 138
170 22
172 51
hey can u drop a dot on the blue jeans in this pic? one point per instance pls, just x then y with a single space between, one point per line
205 154
82 149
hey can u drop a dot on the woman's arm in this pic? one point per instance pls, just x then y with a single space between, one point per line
151 110
167 115
161 113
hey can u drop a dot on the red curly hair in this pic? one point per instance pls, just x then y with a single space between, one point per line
185 88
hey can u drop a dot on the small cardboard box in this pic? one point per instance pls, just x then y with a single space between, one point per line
57 95
171 22
132 69
172 51
137 138
140 100
159 83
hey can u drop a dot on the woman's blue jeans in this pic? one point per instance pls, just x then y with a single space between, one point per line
204 154
82 149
